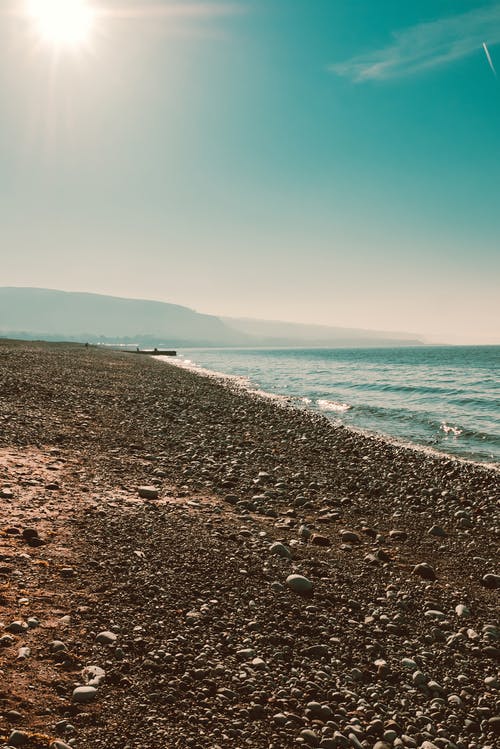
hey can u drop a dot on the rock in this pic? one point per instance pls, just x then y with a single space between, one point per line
462 611
494 724
29 533
148 492
245 654
58 744
409 663
299 584
6 493
491 581
67 572
106 638
57 646
319 540
6 641
18 738
17 627
280 550
436 530
424 571
317 651
309 737
419 679
93 676
349 537
397 535
83 695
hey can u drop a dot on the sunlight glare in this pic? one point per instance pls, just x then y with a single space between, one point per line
62 23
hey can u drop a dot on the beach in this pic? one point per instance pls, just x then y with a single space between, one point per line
167 615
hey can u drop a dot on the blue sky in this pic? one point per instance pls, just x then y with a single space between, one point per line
328 161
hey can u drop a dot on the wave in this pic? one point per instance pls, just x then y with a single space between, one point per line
326 405
448 429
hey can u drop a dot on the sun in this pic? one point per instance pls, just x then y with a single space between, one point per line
62 23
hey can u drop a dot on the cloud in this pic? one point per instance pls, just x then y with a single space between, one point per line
425 46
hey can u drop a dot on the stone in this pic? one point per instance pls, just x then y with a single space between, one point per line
317 651
280 550
82 695
93 676
424 571
57 646
148 492
299 584
309 737
106 638
18 738
436 530
409 663
494 724
17 627
349 537
418 678
319 540
58 744
462 611
491 581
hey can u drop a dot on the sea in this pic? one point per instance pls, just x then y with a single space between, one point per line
442 397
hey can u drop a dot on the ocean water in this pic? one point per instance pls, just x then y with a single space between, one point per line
444 397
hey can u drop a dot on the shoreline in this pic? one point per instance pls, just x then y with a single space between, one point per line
236 383
184 601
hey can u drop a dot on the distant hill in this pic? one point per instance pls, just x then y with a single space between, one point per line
278 333
48 314
73 316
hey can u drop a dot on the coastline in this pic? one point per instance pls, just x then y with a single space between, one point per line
239 383
210 646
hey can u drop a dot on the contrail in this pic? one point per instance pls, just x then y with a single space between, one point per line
488 57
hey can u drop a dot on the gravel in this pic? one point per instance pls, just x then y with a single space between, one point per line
210 640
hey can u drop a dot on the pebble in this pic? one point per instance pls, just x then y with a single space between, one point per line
491 581
84 694
424 571
349 537
299 584
18 738
57 646
17 627
436 530
106 638
418 678
319 540
148 492
310 738
280 550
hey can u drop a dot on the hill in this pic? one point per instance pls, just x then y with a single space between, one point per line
74 316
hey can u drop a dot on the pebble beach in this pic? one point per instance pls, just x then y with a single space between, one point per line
187 564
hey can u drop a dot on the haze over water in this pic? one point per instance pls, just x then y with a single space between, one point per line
447 398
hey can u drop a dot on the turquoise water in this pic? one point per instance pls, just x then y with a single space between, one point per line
440 396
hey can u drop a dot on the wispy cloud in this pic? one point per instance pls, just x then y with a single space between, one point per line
426 46
488 57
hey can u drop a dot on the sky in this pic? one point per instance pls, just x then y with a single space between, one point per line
318 161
